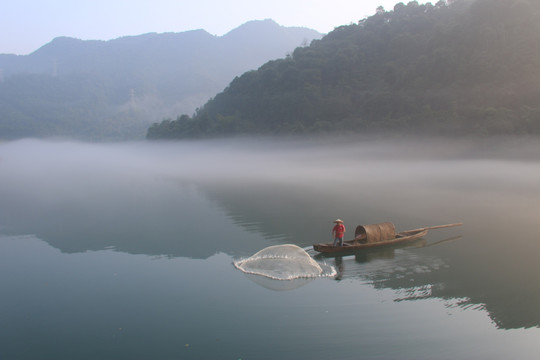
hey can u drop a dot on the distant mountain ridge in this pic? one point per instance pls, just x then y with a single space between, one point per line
125 84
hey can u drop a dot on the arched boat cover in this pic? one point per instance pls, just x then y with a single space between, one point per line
375 232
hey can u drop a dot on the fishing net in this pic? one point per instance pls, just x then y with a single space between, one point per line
283 262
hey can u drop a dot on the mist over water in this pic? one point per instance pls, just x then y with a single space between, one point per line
205 204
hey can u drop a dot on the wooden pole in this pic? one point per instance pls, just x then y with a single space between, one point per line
437 227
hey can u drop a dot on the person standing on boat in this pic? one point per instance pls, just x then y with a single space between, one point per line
338 232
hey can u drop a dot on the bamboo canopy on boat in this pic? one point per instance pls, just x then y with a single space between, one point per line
375 232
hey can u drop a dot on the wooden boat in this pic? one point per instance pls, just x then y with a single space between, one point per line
374 235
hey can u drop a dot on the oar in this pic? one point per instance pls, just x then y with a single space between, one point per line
436 227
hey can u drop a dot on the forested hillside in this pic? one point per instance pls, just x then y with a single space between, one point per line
448 68
115 89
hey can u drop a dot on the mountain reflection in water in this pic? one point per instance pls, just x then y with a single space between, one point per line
197 199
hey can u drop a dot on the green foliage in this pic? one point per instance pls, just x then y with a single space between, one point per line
453 67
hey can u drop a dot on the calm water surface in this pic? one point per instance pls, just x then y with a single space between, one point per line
125 251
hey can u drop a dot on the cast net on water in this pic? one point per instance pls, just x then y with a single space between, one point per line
284 262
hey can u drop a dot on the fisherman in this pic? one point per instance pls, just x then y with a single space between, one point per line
338 232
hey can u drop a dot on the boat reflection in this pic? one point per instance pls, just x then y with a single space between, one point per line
366 256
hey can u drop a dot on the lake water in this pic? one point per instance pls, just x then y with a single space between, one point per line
126 251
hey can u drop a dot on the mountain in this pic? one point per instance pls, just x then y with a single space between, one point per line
115 89
456 67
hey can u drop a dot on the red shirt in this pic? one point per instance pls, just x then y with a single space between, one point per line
339 229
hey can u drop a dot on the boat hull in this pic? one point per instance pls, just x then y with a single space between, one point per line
355 245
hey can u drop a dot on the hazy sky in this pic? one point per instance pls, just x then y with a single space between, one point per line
26 25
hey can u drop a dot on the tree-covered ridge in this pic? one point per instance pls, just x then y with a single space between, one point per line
453 67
